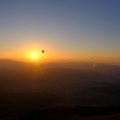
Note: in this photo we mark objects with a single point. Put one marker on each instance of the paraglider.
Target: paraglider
(92, 58)
(43, 53)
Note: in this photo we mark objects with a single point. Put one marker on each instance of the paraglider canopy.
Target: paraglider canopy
(42, 51)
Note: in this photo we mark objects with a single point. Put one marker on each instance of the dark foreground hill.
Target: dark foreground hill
(73, 112)
(26, 87)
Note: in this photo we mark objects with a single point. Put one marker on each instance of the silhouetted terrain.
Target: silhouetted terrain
(27, 87)
(70, 112)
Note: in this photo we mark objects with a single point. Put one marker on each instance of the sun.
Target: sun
(34, 55)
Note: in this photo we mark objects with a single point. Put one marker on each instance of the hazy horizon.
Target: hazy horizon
(57, 61)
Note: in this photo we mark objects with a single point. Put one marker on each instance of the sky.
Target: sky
(69, 30)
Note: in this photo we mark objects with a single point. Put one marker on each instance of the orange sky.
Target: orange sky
(67, 31)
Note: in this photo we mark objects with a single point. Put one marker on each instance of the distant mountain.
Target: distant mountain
(10, 64)
(22, 75)
(112, 70)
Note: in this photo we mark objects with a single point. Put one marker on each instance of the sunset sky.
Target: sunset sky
(71, 30)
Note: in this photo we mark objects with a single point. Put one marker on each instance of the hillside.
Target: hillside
(27, 87)
(73, 112)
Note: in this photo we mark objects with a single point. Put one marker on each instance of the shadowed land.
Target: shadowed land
(80, 90)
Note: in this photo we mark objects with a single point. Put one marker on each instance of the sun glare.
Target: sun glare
(34, 55)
